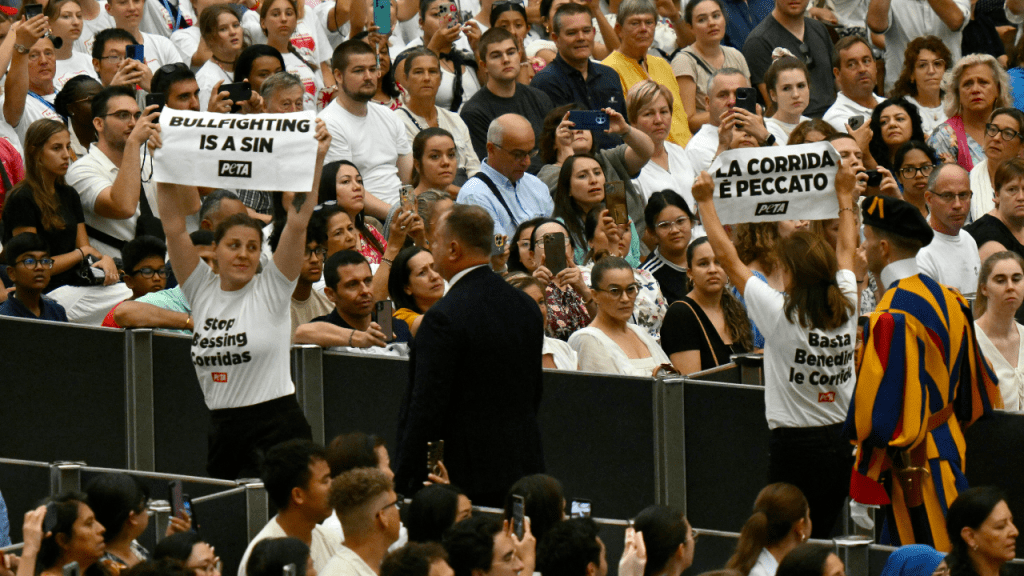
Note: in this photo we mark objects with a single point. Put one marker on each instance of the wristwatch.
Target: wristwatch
(20, 49)
(769, 141)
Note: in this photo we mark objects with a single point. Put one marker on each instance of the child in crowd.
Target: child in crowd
(28, 266)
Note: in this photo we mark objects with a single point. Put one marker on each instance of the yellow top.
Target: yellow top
(407, 315)
(630, 72)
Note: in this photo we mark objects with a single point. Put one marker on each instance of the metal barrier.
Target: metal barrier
(227, 531)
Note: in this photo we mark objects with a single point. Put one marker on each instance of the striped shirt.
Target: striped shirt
(671, 277)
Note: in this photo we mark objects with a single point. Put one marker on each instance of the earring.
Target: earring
(975, 547)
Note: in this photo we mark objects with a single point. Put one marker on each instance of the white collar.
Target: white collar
(459, 276)
(897, 271)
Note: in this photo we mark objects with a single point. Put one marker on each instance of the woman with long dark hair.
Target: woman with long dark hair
(435, 509)
(724, 326)
(669, 539)
(670, 221)
(894, 122)
(414, 285)
(819, 306)
(76, 537)
(912, 164)
(257, 63)
(45, 205)
(781, 521)
(342, 182)
(811, 560)
(981, 530)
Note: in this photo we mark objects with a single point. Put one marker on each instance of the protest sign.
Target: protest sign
(274, 152)
(776, 183)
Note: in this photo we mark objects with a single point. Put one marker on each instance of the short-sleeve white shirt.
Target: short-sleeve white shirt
(844, 108)
(34, 110)
(373, 143)
(186, 41)
(809, 374)
(207, 78)
(159, 51)
(323, 546)
(910, 19)
(78, 64)
(241, 340)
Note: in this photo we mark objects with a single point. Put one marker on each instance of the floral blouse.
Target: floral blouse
(566, 312)
(367, 249)
(650, 307)
(943, 140)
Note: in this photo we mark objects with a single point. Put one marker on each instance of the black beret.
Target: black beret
(898, 217)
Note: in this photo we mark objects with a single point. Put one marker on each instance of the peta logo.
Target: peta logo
(222, 378)
(769, 208)
(822, 396)
(237, 169)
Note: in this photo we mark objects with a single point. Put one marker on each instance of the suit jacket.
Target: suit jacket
(475, 382)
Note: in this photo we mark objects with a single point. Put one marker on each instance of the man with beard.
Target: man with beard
(371, 137)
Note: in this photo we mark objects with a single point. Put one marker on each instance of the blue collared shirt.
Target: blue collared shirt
(49, 309)
(600, 89)
(526, 199)
(742, 16)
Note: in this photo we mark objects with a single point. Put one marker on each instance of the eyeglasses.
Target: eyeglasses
(113, 58)
(909, 172)
(399, 499)
(938, 64)
(670, 224)
(520, 155)
(991, 130)
(32, 262)
(805, 51)
(124, 115)
(215, 567)
(148, 272)
(321, 253)
(948, 197)
(617, 291)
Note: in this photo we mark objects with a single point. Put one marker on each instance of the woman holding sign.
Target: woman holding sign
(242, 331)
(809, 348)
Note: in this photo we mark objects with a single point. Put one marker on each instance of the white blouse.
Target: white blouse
(599, 353)
(1011, 380)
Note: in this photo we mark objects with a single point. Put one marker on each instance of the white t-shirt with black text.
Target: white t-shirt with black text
(809, 375)
(241, 340)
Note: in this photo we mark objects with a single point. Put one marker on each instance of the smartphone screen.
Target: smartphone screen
(518, 516)
(382, 16)
(615, 201)
(554, 252)
(186, 505)
(588, 120)
(382, 315)
(135, 52)
(177, 501)
(156, 99)
(33, 10)
(579, 509)
(435, 454)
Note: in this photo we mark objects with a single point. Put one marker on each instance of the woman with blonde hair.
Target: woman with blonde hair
(781, 521)
(975, 87)
(1000, 291)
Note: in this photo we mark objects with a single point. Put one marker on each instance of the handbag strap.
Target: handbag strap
(702, 329)
(963, 150)
(494, 190)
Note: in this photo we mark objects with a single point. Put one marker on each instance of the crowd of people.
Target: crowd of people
(462, 215)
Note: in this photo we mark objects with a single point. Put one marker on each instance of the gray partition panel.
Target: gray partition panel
(23, 487)
(598, 435)
(726, 453)
(363, 393)
(181, 419)
(994, 446)
(73, 384)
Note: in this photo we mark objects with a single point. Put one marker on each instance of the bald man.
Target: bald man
(503, 187)
(951, 258)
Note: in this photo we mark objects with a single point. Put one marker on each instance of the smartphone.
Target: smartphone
(156, 99)
(239, 91)
(579, 508)
(288, 570)
(177, 498)
(435, 454)
(855, 122)
(518, 516)
(72, 569)
(406, 198)
(589, 120)
(50, 521)
(382, 16)
(874, 178)
(186, 506)
(498, 246)
(746, 98)
(33, 10)
(554, 252)
(615, 201)
(453, 14)
(135, 52)
(382, 315)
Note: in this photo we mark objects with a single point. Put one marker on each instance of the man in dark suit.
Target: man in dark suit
(475, 371)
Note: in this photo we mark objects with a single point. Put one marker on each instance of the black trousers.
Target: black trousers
(818, 461)
(238, 435)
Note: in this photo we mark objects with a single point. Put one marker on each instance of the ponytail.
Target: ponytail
(753, 537)
(777, 509)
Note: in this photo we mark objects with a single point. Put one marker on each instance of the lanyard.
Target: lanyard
(48, 105)
(174, 14)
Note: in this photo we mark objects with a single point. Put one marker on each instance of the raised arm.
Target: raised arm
(849, 185)
(26, 35)
(174, 201)
(288, 256)
(878, 16)
(703, 193)
(949, 13)
(639, 147)
(144, 315)
(120, 200)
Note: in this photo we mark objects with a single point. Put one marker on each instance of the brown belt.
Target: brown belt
(940, 417)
